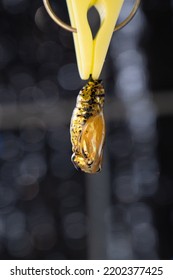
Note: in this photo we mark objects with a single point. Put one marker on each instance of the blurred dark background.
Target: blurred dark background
(48, 210)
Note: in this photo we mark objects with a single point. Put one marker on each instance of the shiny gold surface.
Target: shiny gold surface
(88, 128)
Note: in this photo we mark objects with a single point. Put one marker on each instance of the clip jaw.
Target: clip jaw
(91, 52)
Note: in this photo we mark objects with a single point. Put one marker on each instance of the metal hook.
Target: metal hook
(67, 27)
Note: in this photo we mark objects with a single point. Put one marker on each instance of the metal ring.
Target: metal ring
(130, 16)
(61, 23)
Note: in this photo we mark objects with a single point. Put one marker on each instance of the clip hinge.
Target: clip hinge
(91, 52)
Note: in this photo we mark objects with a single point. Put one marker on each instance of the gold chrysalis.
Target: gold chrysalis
(87, 128)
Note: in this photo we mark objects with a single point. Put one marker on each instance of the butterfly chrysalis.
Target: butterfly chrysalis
(88, 127)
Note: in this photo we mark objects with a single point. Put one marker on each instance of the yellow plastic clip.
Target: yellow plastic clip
(91, 52)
